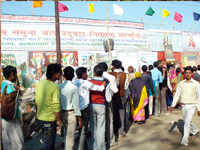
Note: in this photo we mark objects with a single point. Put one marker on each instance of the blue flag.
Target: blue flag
(196, 16)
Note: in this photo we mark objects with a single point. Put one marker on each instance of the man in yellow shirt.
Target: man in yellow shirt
(48, 105)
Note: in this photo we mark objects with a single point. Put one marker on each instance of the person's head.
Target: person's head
(194, 68)
(10, 73)
(104, 66)
(144, 68)
(198, 67)
(150, 67)
(68, 73)
(178, 70)
(81, 73)
(155, 64)
(98, 71)
(130, 69)
(188, 72)
(160, 63)
(138, 75)
(116, 64)
(54, 72)
(122, 68)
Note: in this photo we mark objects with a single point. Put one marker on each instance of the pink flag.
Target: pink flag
(62, 7)
(178, 17)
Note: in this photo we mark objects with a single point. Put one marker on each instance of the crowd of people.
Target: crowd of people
(99, 105)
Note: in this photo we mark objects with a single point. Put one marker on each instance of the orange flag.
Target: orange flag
(37, 4)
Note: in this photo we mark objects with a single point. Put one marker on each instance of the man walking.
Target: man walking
(110, 137)
(190, 98)
(47, 100)
(70, 108)
(149, 84)
(119, 99)
(157, 77)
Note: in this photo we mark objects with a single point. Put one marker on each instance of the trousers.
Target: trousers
(188, 111)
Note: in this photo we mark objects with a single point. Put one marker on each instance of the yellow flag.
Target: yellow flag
(91, 8)
(37, 4)
(165, 13)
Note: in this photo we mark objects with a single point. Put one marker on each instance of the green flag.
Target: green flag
(150, 12)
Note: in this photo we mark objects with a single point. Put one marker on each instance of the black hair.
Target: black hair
(160, 69)
(104, 66)
(80, 71)
(159, 62)
(178, 70)
(98, 70)
(8, 70)
(194, 68)
(116, 63)
(188, 68)
(150, 67)
(198, 67)
(155, 64)
(69, 73)
(144, 68)
(51, 69)
(122, 68)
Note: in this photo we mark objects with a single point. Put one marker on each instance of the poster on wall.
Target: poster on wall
(158, 39)
(13, 59)
(69, 58)
(190, 59)
(104, 57)
(169, 54)
(191, 42)
(147, 58)
(129, 59)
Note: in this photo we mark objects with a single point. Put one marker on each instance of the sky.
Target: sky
(133, 11)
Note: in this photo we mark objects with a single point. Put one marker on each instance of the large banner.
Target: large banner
(191, 42)
(41, 37)
(158, 39)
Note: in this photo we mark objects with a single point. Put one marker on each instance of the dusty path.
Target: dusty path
(153, 135)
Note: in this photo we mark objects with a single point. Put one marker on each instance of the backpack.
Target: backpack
(9, 104)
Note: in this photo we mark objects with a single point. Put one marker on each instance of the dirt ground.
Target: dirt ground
(155, 134)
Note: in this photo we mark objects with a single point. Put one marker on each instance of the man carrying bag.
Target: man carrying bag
(12, 134)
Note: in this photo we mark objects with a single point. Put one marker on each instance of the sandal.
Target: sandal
(196, 135)
(183, 146)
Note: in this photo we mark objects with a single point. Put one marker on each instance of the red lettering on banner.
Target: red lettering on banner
(24, 32)
(101, 34)
(11, 17)
(66, 20)
(3, 32)
(129, 35)
(3, 17)
(65, 33)
(45, 32)
(81, 21)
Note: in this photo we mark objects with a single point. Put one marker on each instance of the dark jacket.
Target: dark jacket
(148, 82)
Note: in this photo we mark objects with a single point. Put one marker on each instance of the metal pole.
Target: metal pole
(57, 36)
(89, 10)
(32, 10)
(162, 24)
(110, 54)
(173, 25)
(115, 17)
(195, 29)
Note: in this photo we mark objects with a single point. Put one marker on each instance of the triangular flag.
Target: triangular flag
(178, 17)
(150, 12)
(91, 8)
(118, 10)
(62, 7)
(196, 16)
(165, 13)
(37, 4)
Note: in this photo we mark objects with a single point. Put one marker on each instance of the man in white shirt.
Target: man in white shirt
(190, 98)
(70, 108)
(84, 94)
(110, 136)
